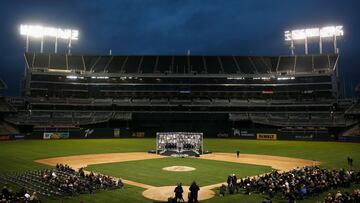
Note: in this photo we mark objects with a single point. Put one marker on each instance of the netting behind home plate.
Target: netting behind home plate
(179, 142)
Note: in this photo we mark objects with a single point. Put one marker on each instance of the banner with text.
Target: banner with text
(266, 136)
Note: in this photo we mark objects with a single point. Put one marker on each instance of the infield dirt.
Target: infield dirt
(163, 193)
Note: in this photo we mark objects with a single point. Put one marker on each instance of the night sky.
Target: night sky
(227, 27)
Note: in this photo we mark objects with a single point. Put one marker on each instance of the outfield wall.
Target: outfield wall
(234, 133)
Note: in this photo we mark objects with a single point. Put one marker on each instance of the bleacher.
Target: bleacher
(76, 90)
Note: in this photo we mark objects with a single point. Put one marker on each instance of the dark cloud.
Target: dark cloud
(172, 27)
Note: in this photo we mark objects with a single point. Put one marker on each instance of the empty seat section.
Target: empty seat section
(212, 64)
(286, 63)
(304, 64)
(58, 61)
(148, 64)
(180, 64)
(260, 66)
(197, 64)
(321, 62)
(268, 62)
(164, 64)
(101, 63)
(274, 62)
(41, 61)
(90, 61)
(82, 114)
(229, 64)
(116, 64)
(132, 64)
(62, 115)
(75, 62)
(245, 64)
(102, 115)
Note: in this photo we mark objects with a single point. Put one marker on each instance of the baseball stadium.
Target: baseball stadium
(91, 127)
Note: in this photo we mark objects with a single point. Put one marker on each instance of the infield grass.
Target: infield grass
(150, 171)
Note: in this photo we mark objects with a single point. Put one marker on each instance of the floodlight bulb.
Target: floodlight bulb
(38, 31)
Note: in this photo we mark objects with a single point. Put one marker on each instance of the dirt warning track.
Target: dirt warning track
(163, 193)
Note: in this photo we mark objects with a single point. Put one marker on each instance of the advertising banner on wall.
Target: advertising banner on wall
(4, 137)
(222, 135)
(266, 136)
(55, 135)
(243, 133)
(97, 132)
(138, 134)
(19, 136)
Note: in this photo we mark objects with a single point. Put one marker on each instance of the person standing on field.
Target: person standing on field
(179, 193)
(194, 189)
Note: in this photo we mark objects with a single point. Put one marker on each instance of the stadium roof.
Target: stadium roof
(152, 64)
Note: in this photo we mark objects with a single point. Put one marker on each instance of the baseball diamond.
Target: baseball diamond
(192, 101)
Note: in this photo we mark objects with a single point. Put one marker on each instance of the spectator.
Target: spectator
(120, 184)
(298, 183)
(354, 196)
(27, 196)
(5, 192)
(194, 189)
(34, 198)
(179, 193)
(222, 190)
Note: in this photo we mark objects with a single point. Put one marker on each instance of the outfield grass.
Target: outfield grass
(19, 156)
(150, 171)
(331, 154)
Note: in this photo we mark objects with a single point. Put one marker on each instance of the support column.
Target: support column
(335, 45)
(292, 47)
(56, 45)
(42, 45)
(27, 43)
(69, 47)
(306, 46)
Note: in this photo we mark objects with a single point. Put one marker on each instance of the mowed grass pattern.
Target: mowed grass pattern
(150, 171)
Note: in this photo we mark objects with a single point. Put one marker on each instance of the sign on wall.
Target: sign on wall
(266, 136)
(55, 135)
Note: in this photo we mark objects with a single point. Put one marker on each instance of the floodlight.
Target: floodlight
(320, 33)
(39, 31)
(324, 32)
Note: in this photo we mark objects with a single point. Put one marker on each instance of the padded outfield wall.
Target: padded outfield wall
(234, 133)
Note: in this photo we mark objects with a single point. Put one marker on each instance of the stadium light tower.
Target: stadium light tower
(39, 31)
(310, 33)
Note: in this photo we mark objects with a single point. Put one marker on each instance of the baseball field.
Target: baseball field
(144, 173)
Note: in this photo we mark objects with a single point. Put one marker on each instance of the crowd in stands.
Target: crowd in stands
(292, 185)
(345, 197)
(8, 195)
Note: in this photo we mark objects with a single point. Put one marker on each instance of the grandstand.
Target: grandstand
(210, 94)
(5, 108)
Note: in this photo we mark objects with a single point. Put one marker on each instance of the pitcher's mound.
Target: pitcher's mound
(163, 193)
(179, 168)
